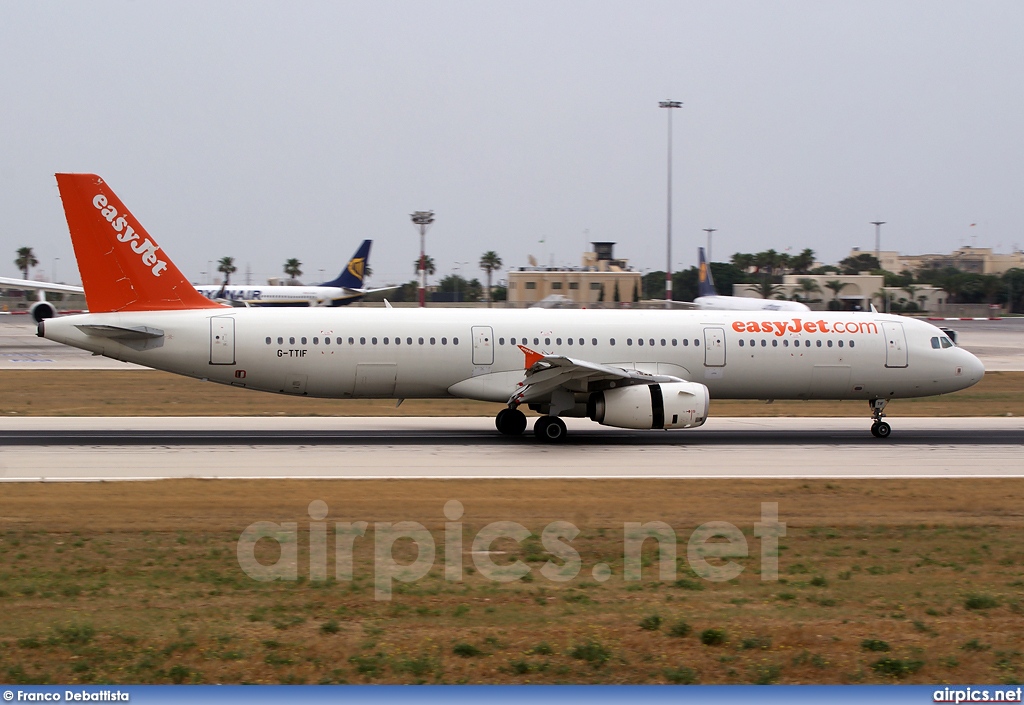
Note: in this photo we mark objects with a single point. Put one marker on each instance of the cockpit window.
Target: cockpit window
(935, 342)
(946, 342)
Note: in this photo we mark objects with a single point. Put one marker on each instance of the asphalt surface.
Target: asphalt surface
(33, 449)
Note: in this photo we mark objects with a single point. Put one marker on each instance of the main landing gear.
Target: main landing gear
(512, 422)
(549, 429)
(879, 429)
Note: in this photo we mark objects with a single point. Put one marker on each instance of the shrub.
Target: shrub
(819, 581)
(756, 642)
(541, 649)
(874, 645)
(330, 627)
(179, 674)
(465, 650)
(975, 645)
(651, 623)
(680, 629)
(712, 637)
(592, 652)
(767, 674)
(896, 668)
(689, 584)
(680, 676)
(980, 602)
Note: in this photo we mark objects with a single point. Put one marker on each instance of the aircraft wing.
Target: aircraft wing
(547, 373)
(40, 286)
(374, 291)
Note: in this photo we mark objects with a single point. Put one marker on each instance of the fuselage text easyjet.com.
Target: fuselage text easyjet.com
(780, 328)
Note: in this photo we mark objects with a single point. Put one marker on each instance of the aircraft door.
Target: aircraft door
(895, 344)
(714, 347)
(483, 345)
(222, 340)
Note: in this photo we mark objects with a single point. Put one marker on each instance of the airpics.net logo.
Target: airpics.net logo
(146, 249)
(710, 549)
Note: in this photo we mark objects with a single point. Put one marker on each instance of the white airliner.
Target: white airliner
(709, 300)
(621, 368)
(42, 308)
(346, 288)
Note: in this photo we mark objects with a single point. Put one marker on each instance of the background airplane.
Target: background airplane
(344, 289)
(709, 300)
(626, 369)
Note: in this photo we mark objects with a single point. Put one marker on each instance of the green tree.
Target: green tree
(835, 286)
(766, 288)
(806, 288)
(490, 262)
(803, 262)
(740, 260)
(226, 265)
(26, 260)
(293, 268)
(427, 264)
(855, 264)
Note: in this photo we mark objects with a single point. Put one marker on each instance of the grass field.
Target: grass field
(152, 393)
(894, 581)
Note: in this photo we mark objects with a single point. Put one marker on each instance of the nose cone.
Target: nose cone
(973, 369)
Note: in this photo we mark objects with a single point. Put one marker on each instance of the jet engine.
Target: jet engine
(667, 405)
(41, 310)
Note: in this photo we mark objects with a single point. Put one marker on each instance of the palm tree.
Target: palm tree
(806, 287)
(489, 262)
(227, 266)
(428, 264)
(742, 261)
(293, 268)
(912, 290)
(766, 289)
(26, 259)
(803, 262)
(835, 286)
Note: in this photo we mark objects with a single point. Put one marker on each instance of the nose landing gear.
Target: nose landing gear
(879, 429)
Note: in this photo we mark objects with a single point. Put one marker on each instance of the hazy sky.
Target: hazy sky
(271, 130)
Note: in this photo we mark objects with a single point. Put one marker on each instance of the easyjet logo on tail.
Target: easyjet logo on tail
(780, 328)
(126, 233)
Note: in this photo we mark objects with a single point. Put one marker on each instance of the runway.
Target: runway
(105, 449)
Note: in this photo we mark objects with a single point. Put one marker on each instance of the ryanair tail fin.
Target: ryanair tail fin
(122, 267)
(705, 284)
(352, 276)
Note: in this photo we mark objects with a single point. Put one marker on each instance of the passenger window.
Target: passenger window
(775, 343)
(444, 341)
(696, 343)
(303, 340)
(558, 341)
(268, 341)
(629, 341)
(764, 343)
(851, 343)
(674, 342)
(785, 343)
(830, 343)
(611, 341)
(593, 341)
(662, 342)
(421, 341)
(819, 343)
(639, 341)
(582, 341)
(686, 342)
(536, 341)
(280, 341)
(741, 342)
(547, 341)
(408, 341)
(840, 343)
(362, 341)
(569, 340)
(316, 341)
(753, 342)
(455, 341)
(433, 341)
(398, 341)
(385, 341)
(651, 341)
(291, 341)
(327, 341)
(501, 341)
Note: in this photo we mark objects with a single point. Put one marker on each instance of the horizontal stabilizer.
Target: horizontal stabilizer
(120, 332)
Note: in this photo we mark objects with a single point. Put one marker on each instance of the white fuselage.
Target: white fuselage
(746, 303)
(409, 353)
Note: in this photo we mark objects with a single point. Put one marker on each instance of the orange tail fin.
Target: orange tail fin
(122, 267)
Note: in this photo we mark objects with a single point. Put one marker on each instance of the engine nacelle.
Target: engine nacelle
(41, 310)
(668, 405)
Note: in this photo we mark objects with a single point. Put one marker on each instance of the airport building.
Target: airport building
(600, 280)
(975, 260)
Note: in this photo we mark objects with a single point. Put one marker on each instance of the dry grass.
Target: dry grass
(138, 582)
(152, 393)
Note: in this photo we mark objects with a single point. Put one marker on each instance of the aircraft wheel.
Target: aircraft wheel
(511, 422)
(881, 430)
(550, 429)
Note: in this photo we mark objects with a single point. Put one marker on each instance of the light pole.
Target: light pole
(423, 219)
(709, 231)
(668, 260)
(878, 240)
(458, 268)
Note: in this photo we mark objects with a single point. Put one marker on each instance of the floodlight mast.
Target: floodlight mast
(668, 255)
(423, 219)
